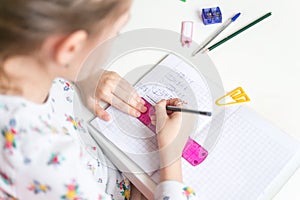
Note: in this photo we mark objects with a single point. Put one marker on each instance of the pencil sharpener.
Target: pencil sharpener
(145, 117)
(193, 152)
(211, 15)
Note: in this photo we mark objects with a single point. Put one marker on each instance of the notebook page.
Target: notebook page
(246, 160)
(248, 157)
(169, 79)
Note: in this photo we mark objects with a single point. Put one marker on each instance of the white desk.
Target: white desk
(263, 60)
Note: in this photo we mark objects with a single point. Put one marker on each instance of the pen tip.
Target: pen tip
(206, 51)
(235, 17)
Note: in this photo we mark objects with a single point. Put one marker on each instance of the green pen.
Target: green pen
(238, 32)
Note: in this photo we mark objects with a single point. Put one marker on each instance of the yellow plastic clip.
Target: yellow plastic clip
(237, 95)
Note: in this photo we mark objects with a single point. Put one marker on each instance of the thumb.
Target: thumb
(160, 110)
(93, 105)
(161, 115)
(100, 112)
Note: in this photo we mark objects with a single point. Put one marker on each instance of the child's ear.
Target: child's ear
(68, 47)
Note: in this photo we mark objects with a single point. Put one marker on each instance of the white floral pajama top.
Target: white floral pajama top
(47, 153)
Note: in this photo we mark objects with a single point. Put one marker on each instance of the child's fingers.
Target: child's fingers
(128, 94)
(93, 106)
(122, 89)
(174, 102)
(161, 115)
(116, 91)
(160, 109)
(100, 112)
(153, 119)
(123, 106)
(170, 102)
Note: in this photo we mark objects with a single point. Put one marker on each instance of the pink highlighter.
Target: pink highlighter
(193, 152)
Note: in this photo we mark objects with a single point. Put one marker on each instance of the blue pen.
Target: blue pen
(225, 25)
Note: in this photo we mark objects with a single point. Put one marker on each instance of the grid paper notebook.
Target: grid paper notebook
(246, 162)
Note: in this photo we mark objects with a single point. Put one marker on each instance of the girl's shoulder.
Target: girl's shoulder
(62, 85)
(23, 122)
(15, 111)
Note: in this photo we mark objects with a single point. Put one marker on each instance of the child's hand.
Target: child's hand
(167, 123)
(114, 90)
(170, 140)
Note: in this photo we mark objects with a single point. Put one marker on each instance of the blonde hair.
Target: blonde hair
(25, 24)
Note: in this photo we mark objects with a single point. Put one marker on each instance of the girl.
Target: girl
(45, 151)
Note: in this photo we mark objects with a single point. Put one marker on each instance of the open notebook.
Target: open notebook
(249, 160)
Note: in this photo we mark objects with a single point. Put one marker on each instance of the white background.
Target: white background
(264, 60)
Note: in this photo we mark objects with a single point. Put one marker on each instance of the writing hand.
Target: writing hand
(170, 144)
